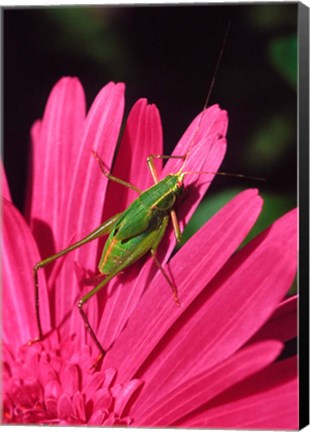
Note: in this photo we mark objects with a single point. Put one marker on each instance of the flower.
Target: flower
(212, 362)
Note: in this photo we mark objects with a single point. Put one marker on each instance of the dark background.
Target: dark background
(167, 54)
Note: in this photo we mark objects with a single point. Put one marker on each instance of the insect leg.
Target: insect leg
(113, 178)
(151, 166)
(103, 229)
(171, 284)
(176, 226)
(154, 247)
(82, 302)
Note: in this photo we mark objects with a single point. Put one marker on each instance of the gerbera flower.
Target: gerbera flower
(212, 362)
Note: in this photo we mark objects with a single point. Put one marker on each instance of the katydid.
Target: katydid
(131, 234)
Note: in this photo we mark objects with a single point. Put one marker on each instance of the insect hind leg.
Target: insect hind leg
(164, 273)
(153, 250)
(88, 327)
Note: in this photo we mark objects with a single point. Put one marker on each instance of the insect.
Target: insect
(131, 234)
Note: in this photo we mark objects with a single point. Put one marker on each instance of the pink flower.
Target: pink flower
(214, 361)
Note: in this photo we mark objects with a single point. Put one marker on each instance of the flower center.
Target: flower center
(52, 383)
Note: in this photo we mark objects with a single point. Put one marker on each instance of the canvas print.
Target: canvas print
(150, 216)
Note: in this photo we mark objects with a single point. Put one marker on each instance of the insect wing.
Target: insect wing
(119, 254)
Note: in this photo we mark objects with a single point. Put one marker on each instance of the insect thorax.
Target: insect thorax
(162, 195)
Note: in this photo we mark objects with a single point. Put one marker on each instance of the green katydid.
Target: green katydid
(131, 234)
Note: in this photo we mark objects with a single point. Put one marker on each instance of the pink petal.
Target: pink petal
(35, 146)
(211, 121)
(52, 390)
(69, 377)
(125, 394)
(267, 400)
(156, 312)
(94, 383)
(97, 418)
(58, 140)
(110, 375)
(79, 406)
(201, 388)
(46, 371)
(142, 137)
(54, 152)
(51, 406)
(102, 399)
(101, 131)
(20, 254)
(5, 192)
(65, 407)
(205, 139)
(282, 325)
(85, 201)
(232, 308)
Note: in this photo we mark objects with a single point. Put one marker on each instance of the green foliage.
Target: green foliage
(87, 32)
(270, 16)
(271, 141)
(283, 56)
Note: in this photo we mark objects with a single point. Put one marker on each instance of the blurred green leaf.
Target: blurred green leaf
(293, 289)
(87, 32)
(270, 16)
(283, 56)
(271, 140)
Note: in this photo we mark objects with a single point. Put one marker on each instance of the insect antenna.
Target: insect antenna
(219, 59)
(218, 62)
(226, 174)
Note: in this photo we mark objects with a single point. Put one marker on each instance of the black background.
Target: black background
(165, 53)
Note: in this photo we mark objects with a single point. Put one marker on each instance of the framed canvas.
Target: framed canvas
(155, 230)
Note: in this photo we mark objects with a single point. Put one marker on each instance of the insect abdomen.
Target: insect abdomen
(118, 254)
